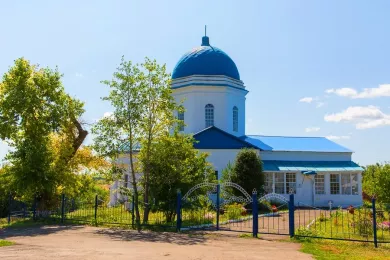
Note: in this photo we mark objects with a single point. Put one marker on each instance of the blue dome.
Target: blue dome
(205, 60)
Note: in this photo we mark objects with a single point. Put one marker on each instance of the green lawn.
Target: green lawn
(344, 225)
(323, 249)
(5, 243)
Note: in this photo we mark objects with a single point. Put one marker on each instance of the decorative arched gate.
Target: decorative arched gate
(227, 206)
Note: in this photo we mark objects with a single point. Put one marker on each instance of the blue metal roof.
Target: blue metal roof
(286, 143)
(205, 60)
(215, 138)
(311, 166)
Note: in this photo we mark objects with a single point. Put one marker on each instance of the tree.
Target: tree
(376, 181)
(143, 110)
(248, 171)
(174, 165)
(158, 118)
(33, 107)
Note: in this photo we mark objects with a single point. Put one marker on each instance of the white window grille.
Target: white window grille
(335, 184)
(209, 115)
(319, 184)
(235, 119)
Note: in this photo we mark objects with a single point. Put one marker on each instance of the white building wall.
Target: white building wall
(304, 156)
(220, 158)
(195, 98)
(305, 193)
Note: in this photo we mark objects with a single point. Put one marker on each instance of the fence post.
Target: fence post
(255, 214)
(132, 211)
(374, 222)
(218, 203)
(9, 207)
(291, 220)
(62, 208)
(35, 209)
(96, 208)
(178, 211)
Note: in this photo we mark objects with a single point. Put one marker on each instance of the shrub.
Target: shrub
(234, 211)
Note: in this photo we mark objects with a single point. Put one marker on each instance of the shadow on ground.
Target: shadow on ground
(34, 231)
(150, 236)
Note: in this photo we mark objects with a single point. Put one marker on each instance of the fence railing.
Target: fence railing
(368, 223)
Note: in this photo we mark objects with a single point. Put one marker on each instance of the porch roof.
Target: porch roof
(317, 166)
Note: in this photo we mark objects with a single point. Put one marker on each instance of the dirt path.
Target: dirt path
(79, 242)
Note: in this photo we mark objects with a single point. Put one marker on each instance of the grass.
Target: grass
(344, 225)
(246, 235)
(5, 243)
(323, 249)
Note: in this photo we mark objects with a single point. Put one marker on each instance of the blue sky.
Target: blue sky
(313, 68)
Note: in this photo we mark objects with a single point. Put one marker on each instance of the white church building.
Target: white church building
(316, 169)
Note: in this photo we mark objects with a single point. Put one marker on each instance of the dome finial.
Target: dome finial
(205, 39)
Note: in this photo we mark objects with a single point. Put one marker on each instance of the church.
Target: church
(318, 171)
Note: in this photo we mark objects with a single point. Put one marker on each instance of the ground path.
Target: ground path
(80, 242)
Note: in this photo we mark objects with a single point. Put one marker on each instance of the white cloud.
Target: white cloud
(338, 137)
(79, 75)
(344, 92)
(355, 113)
(362, 117)
(107, 114)
(306, 99)
(312, 129)
(381, 91)
(373, 123)
(320, 104)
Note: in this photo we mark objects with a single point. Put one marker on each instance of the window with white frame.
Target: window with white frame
(319, 181)
(346, 187)
(344, 183)
(335, 184)
(354, 182)
(180, 116)
(291, 182)
(268, 181)
(235, 119)
(209, 115)
(349, 184)
(279, 182)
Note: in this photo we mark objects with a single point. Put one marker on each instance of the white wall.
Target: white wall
(304, 156)
(220, 158)
(305, 193)
(223, 99)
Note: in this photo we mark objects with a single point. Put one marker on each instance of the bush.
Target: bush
(234, 211)
(248, 171)
(305, 234)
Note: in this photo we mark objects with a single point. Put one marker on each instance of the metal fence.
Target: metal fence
(370, 223)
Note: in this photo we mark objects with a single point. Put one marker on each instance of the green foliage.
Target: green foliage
(35, 113)
(175, 165)
(5, 243)
(248, 171)
(143, 112)
(305, 234)
(234, 211)
(376, 182)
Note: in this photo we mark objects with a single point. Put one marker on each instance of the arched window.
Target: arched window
(209, 115)
(180, 116)
(235, 119)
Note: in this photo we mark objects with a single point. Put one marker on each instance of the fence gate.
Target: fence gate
(274, 214)
(216, 206)
(227, 206)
